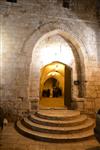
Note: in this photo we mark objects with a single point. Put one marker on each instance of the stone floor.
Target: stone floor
(11, 140)
(52, 101)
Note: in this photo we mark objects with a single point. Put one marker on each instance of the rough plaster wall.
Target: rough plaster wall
(18, 22)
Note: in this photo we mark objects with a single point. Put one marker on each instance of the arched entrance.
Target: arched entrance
(55, 85)
(79, 65)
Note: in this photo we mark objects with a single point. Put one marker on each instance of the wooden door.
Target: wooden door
(67, 87)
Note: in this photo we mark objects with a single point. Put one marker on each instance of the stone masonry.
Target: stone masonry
(23, 23)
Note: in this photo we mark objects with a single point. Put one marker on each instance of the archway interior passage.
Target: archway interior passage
(55, 85)
(50, 49)
(52, 85)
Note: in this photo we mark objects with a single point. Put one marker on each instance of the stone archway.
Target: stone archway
(77, 48)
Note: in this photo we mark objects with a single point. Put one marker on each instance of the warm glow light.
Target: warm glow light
(52, 73)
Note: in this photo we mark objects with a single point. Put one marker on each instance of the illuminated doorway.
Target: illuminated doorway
(56, 46)
(53, 86)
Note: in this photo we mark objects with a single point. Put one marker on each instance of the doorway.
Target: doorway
(55, 85)
(59, 46)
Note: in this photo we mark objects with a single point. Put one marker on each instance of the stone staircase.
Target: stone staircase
(56, 126)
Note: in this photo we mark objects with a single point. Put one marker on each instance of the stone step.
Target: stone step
(53, 137)
(58, 123)
(46, 125)
(57, 130)
(58, 115)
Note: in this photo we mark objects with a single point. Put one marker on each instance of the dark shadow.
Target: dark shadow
(98, 29)
(84, 9)
(98, 11)
(74, 105)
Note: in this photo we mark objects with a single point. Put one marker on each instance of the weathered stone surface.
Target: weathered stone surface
(22, 24)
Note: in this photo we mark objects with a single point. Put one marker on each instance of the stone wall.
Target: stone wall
(27, 21)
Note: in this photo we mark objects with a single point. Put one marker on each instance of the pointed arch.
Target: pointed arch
(78, 49)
